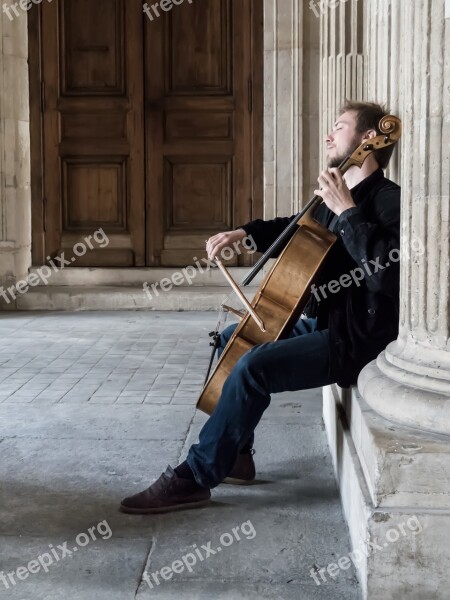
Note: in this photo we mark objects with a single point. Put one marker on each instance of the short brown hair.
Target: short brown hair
(368, 116)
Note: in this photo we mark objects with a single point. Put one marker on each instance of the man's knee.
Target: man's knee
(254, 365)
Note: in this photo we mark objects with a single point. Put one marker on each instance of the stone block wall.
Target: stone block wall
(15, 195)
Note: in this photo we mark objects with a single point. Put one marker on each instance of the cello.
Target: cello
(282, 296)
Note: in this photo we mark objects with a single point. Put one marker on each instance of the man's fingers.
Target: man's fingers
(217, 247)
(322, 179)
(330, 178)
(214, 248)
(336, 175)
(225, 239)
(211, 245)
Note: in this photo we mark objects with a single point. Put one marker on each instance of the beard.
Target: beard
(336, 162)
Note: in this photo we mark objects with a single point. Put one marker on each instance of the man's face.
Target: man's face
(343, 140)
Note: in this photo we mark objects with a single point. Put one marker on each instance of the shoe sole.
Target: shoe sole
(163, 509)
(233, 481)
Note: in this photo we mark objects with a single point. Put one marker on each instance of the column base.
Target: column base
(410, 385)
(393, 482)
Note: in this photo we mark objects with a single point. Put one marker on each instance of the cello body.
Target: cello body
(279, 301)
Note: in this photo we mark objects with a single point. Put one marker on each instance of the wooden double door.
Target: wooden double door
(149, 129)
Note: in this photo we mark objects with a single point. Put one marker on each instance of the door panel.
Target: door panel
(148, 127)
(92, 49)
(93, 128)
(199, 127)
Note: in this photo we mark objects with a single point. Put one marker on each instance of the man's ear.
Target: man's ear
(370, 134)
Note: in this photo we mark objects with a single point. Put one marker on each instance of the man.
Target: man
(353, 314)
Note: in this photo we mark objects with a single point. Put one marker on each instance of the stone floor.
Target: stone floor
(93, 406)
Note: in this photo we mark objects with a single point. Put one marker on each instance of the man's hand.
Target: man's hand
(334, 191)
(223, 240)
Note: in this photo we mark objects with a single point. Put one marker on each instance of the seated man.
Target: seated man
(353, 314)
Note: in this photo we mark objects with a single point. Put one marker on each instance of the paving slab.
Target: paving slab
(103, 570)
(247, 591)
(96, 422)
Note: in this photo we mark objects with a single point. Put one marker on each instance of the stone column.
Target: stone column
(410, 382)
(291, 109)
(343, 64)
(389, 441)
(15, 195)
(382, 40)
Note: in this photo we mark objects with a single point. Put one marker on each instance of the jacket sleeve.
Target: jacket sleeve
(374, 244)
(264, 233)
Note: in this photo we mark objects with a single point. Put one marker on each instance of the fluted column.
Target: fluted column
(291, 109)
(382, 36)
(410, 381)
(343, 61)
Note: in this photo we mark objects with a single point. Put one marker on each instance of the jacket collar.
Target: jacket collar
(367, 185)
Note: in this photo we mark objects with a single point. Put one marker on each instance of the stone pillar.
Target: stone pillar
(390, 440)
(410, 381)
(15, 195)
(382, 40)
(343, 60)
(291, 73)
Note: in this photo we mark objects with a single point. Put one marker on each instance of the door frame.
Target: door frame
(36, 137)
(38, 208)
(257, 117)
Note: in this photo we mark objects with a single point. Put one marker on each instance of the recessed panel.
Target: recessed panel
(91, 52)
(198, 195)
(94, 195)
(102, 125)
(198, 46)
(191, 125)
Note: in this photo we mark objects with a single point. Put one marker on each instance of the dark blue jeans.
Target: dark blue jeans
(299, 362)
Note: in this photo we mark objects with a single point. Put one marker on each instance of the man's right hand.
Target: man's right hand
(223, 240)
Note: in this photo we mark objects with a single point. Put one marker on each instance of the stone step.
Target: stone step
(102, 297)
(96, 276)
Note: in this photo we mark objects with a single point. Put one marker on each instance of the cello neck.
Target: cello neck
(286, 235)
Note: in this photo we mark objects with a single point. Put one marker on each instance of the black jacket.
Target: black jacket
(363, 316)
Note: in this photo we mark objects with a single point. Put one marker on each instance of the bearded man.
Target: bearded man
(344, 327)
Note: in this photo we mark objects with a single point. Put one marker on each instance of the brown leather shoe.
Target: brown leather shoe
(168, 493)
(244, 471)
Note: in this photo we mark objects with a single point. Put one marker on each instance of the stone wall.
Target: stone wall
(15, 196)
